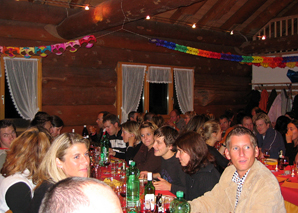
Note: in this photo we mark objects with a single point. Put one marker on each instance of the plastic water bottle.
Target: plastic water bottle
(179, 205)
(132, 191)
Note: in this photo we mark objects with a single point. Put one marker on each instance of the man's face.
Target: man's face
(135, 117)
(224, 124)
(242, 153)
(99, 120)
(111, 129)
(247, 123)
(174, 117)
(160, 147)
(7, 135)
(262, 127)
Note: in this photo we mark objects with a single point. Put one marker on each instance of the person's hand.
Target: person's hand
(162, 185)
(131, 140)
(92, 130)
(143, 175)
(289, 136)
(112, 152)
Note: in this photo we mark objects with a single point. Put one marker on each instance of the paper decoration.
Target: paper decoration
(282, 62)
(58, 49)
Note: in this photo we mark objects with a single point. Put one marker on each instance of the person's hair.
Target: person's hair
(291, 114)
(170, 135)
(148, 116)
(141, 117)
(105, 113)
(158, 120)
(48, 169)
(190, 114)
(239, 131)
(40, 119)
(68, 195)
(239, 117)
(245, 117)
(195, 123)
(131, 115)
(7, 123)
(282, 124)
(230, 114)
(260, 116)
(26, 152)
(295, 122)
(176, 111)
(112, 118)
(208, 128)
(57, 121)
(132, 127)
(224, 116)
(148, 124)
(194, 145)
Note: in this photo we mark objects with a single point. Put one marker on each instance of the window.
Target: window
(20, 87)
(150, 88)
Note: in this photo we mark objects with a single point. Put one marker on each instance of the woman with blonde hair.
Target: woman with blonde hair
(20, 169)
(211, 133)
(68, 156)
(189, 115)
(130, 135)
(145, 158)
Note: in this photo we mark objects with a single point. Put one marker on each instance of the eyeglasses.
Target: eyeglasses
(12, 134)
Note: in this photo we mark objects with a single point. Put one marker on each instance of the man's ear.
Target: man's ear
(116, 124)
(257, 151)
(227, 153)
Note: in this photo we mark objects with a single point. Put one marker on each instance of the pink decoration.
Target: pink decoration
(72, 44)
(57, 47)
(87, 39)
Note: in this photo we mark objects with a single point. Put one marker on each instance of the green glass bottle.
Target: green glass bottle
(132, 191)
(149, 193)
(179, 205)
(104, 154)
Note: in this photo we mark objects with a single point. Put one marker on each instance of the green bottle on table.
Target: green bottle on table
(149, 193)
(132, 191)
(104, 151)
(179, 205)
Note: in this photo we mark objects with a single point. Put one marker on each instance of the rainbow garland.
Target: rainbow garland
(282, 62)
(57, 49)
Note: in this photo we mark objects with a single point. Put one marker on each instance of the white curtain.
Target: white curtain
(21, 77)
(159, 75)
(184, 88)
(132, 84)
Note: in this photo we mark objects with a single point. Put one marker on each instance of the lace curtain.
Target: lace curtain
(159, 75)
(132, 84)
(21, 77)
(184, 88)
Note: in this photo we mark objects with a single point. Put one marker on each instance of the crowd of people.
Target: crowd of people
(209, 160)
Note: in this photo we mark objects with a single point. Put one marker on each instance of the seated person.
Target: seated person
(246, 122)
(224, 124)
(175, 121)
(68, 156)
(211, 133)
(132, 116)
(57, 124)
(7, 135)
(292, 142)
(171, 177)
(131, 136)
(43, 119)
(267, 137)
(145, 158)
(197, 162)
(112, 126)
(96, 133)
(20, 169)
(78, 194)
(245, 186)
(189, 115)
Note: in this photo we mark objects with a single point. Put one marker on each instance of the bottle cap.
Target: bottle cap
(129, 162)
(149, 176)
(179, 194)
(85, 126)
(133, 163)
(73, 130)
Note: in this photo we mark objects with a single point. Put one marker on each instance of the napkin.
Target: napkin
(280, 179)
(290, 185)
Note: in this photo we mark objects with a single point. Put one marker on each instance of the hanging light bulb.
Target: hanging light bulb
(148, 17)
(87, 7)
(263, 37)
(194, 26)
(232, 32)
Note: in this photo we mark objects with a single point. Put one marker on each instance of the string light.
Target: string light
(263, 37)
(232, 32)
(194, 26)
(87, 7)
(148, 17)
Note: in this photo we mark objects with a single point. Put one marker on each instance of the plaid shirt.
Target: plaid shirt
(239, 181)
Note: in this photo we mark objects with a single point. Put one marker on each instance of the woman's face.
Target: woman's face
(147, 137)
(76, 162)
(293, 129)
(186, 119)
(125, 135)
(184, 158)
(56, 131)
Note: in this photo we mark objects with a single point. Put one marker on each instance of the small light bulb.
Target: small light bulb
(147, 17)
(263, 37)
(87, 7)
(232, 32)
(194, 26)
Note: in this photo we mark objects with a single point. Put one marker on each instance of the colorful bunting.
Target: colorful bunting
(282, 62)
(58, 49)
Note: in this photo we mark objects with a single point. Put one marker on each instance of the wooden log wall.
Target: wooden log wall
(76, 86)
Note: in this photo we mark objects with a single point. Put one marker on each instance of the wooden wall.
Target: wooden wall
(76, 86)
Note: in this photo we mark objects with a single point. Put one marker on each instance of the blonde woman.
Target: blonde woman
(189, 115)
(211, 133)
(68, 156)
(20, 170)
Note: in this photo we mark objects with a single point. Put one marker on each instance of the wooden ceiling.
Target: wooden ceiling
(67, 19)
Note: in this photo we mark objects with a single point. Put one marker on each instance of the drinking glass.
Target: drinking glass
(167, 202)
(285, 161)
(266, 155)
